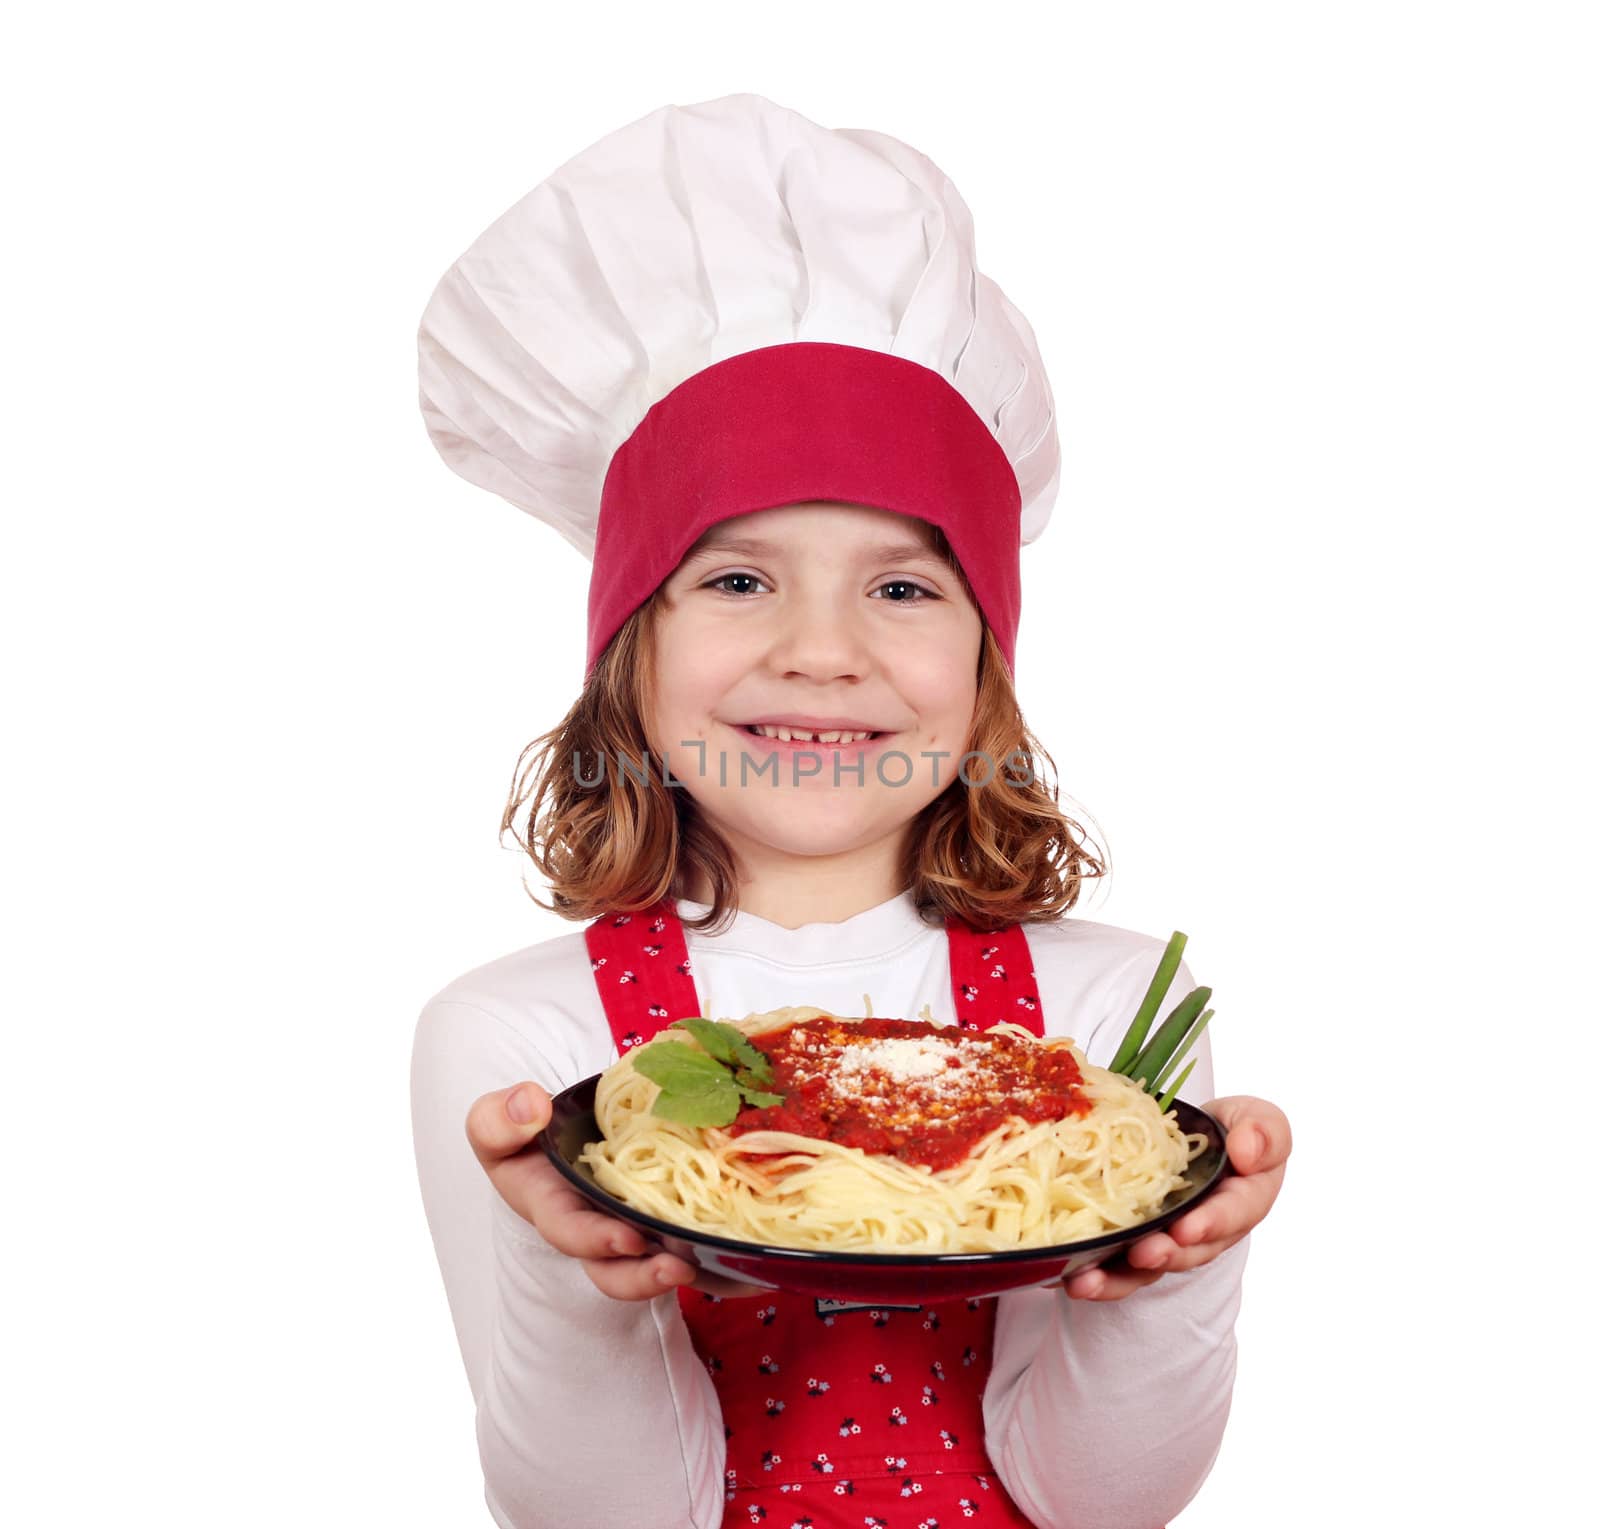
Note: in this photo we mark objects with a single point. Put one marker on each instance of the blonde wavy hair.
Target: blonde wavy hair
(997, 852)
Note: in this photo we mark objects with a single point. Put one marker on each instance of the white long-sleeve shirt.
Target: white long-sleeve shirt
(1096, 1413)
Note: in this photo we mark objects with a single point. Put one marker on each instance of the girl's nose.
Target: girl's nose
(820, 639)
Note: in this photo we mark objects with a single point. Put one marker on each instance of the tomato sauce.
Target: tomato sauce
(923, 1093)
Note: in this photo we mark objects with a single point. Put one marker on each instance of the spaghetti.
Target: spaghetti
(898, 1136)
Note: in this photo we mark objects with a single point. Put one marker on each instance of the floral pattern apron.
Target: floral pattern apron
(836, 1414)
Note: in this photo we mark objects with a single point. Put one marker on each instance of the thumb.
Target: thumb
(1259, 1136)
(502, 1123)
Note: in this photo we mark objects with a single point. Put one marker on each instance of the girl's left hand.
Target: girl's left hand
(1258, 1146)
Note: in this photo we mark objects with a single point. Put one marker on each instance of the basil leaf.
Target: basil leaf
(716, 1105)
(758, 1100)
(727, 1044)
(755, 1062)
(760, 1068)
(697, 1087)
(712, 1035)
(676, 1067)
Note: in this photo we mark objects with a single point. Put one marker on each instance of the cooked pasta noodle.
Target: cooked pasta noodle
(1022, 1184)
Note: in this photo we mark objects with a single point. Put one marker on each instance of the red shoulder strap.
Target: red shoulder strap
(641, 967)
(992, 977)
(640, 963)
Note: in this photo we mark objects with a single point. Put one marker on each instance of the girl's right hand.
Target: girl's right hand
(501, 1127)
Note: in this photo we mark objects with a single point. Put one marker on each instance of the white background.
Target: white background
(1307, 637)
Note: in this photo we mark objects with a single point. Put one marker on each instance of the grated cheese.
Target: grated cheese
(924, 1066)
(901, 1060)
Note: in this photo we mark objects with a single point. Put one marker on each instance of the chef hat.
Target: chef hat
(726, 307)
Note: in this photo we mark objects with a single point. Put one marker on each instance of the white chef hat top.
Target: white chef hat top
(738, 228)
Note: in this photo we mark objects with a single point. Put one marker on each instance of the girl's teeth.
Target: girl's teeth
(798, 735)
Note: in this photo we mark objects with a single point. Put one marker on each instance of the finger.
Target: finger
(1236, 1205)
(1259, 1137)
(1152, 1252)
(638, 1279)
(502, 1123)
(727, 1289)
(1112, 1284)
(530, 1185)
(568, 1222)
(642, 1279)
(1201, 1253)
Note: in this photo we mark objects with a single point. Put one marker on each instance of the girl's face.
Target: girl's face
(833, 615)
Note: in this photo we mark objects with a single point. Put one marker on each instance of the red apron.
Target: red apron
(836, 1415)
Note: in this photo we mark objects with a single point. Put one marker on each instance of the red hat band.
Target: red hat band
(805, 420)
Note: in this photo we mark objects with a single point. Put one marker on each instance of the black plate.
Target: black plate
(919, 1278)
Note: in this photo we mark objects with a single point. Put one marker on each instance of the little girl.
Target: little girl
(748, 365)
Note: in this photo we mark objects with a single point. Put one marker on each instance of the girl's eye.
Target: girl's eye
(722, 579)
(923, 593)
(914, 593)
